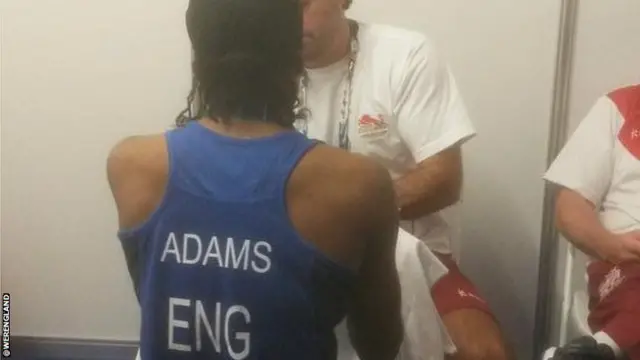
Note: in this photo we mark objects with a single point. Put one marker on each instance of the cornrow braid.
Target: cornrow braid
(194, 109)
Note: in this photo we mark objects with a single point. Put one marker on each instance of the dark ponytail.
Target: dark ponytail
(247, 60)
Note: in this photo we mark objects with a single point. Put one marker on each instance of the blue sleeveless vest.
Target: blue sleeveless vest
(219, 271)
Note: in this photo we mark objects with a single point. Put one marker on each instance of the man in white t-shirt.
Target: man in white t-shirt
(598, 210)
(384, 92)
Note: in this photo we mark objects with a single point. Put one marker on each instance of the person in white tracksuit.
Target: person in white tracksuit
(384, 92)
(597, 175)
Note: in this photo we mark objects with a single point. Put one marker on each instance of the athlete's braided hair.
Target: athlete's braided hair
(247, 59)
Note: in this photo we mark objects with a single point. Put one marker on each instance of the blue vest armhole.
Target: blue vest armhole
(132, 239)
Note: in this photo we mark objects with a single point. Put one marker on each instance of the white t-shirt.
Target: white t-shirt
(405, 108)
(601, 160)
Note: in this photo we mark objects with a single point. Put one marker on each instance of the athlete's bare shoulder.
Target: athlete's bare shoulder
(345, 204)
(346, 175)
(138, 150)
(137, 169)
(337, 199)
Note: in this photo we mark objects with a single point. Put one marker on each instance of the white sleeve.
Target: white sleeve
(585, 164)
(429, 109)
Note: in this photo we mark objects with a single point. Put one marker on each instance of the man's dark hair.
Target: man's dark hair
(347, 4)
(247, 59)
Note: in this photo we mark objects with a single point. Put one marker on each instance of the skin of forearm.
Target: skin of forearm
(432, 186)
(578, 221)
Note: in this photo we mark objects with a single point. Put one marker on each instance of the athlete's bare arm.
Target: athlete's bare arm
(375, 320)
(345, 204)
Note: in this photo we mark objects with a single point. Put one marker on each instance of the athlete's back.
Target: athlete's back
(231, 258)
(244, 239)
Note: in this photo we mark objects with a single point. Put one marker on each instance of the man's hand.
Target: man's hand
(624, 247)
(579, 221)
(433, 185)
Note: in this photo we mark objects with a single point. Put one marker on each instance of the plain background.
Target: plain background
(77, 75)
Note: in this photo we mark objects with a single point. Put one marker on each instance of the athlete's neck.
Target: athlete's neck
(335, 51)
(243, 129)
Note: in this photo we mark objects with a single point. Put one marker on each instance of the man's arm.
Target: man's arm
(433, 123)
(433, 185)
(577, 219)
(375, 319)
(583, 172)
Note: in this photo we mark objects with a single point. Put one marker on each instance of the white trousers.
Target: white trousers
(425, 337)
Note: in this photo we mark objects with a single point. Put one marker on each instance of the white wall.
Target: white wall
(79, 74)
(607, 53)
(607, 56)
